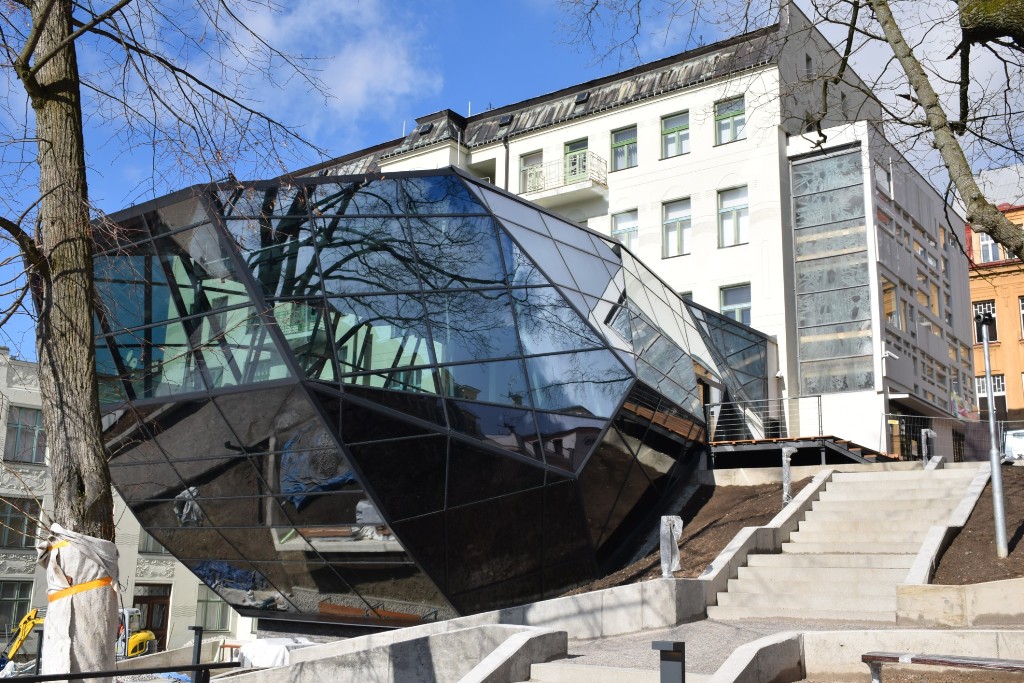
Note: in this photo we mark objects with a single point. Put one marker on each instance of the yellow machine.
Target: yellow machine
(132, 639)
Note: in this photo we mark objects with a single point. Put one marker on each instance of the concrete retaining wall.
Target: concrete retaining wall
(772, 659)
(997, 603)
(485, 654)
(833, 654)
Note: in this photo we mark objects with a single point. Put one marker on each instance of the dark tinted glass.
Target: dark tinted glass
(439, 194)
(407, 475)
(501, 426)
(457, 252)
(472, 325)
(495, 382)
(592, 382)
(359, 197)
(475, 474)
(366, 255)
(548, 324)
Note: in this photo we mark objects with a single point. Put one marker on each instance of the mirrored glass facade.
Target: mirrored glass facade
(389, 400)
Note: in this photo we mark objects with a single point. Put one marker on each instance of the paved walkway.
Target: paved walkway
(708, 642)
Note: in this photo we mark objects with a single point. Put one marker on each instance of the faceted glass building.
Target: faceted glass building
(390, 399)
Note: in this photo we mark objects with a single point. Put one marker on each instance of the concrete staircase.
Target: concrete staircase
(567, 672)
(852, 548)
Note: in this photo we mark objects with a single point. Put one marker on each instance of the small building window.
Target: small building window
(730, 121)
(735, 303)
(675, 135)
(732, 217)
(18, 518)
(624, 228)
(531, 172)
(212, 612)
(148, 544)
(998, 386)
(624, 148)
(981, 308)
(26, 437)
(675, 237)
(15, 598)
(989, 248)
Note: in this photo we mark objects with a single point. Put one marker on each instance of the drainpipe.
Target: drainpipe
(504, 141)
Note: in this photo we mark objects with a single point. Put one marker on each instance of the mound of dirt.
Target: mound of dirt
(711, 518)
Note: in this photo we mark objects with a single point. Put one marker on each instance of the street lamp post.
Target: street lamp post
(983, 321)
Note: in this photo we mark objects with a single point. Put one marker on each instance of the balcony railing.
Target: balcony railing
(777, 418)
(575, 167)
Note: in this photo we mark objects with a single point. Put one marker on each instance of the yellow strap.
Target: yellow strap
(80, 588)
(59, 544)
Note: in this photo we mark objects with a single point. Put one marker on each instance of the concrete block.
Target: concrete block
(579, 615)
(511, 661)
(660, 604)
(622, 610)
(995, 603)
(567, 672)
(970, 498)
(930, 606)
(773, 658)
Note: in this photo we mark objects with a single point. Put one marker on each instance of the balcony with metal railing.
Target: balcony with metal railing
(577, 176)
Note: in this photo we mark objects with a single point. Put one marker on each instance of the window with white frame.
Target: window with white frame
(18, 519)
(981, 308)
(624, 228)
(531, 172)
(675, 237)
(735, 303)
(624, 148)
(732, 217)
(148, 544)
(15, 598)
(730, 121)
(26, 437)
(675, 135)
(212, 613)
(989, 248)
(998, 386)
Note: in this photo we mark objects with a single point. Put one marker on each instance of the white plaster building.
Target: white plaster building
(169, 595)
(700, 165)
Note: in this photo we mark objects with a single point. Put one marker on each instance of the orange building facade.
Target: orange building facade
(997, 287)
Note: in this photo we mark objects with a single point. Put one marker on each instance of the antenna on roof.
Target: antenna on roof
(469, 108)
(403, 129)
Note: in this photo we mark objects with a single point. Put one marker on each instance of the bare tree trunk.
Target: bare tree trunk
(64, 290)
(981, 213)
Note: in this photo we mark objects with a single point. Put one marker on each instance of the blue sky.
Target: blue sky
(384, 63)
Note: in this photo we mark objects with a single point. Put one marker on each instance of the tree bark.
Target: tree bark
(981, 213)
(63, 286)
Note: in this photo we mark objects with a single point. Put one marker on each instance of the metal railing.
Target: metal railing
(777, 418)
(912, 437)
(575, 167)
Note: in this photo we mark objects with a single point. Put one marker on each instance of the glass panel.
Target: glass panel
(828, 207)
(284, 262)
(837, 272)
(592, 382)
(831, 341)
(132, 290)
(567, 439)
(834, 307)
(370, 196)
(837, 375)
(472, 325)
(498, 382)
(522, 271)
(191, 545)
(832, 239)
(826, 174)
(547, 323)
(366, 255)
(515, 211)
(568, 233)
(501, 426)
(540, 252)
(588, 271)
(304, 326)
(475, 475)
(439, 194)
(405, 486)
(237, 348)
(457, 252)
(427, 408)
(382, 333)
(155, 361)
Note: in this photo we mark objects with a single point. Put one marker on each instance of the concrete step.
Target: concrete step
(853, 548)
(897, 486)
(820, 524)
(852, 519)
(866, 561)
(825, 577)
(954, 474)
(731, 613)
(830, 494)
(828, 582)
(846, 537)
(808, 601)
(564, 671)
(881, 506)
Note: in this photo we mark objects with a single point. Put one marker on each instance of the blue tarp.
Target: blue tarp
(219, 572)
(300, 476)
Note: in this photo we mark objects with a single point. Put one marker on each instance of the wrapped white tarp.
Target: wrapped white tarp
(81, 617)
(671, 532)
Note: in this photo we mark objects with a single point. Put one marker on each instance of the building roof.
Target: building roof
(711, 62)
(1003, 185)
